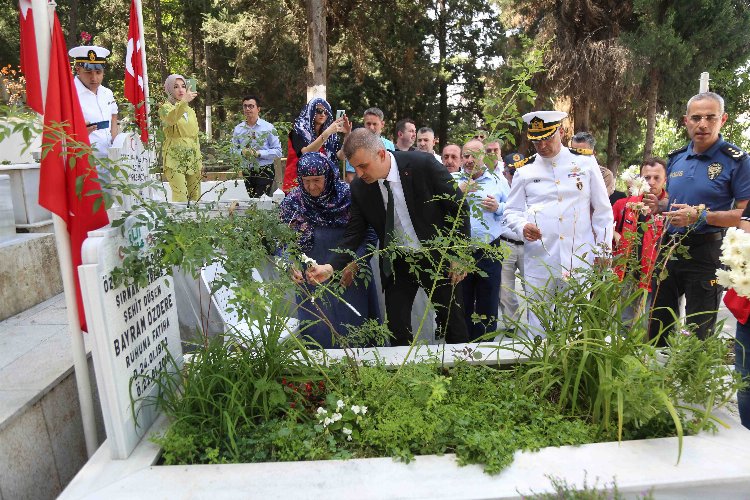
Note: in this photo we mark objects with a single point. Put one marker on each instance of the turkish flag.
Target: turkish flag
(134, 73)
(67, 177)
(29, 58)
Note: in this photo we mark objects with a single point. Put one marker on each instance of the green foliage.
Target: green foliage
(562, 490)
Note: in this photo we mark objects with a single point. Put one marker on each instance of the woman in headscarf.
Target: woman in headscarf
(319, 210)
(314, 130)
(181, 154)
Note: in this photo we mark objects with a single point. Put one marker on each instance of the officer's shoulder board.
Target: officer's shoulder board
(582, 151)
(521, 163)
(677, 151)
(733, 151)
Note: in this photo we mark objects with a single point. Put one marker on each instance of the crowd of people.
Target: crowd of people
(349, 189)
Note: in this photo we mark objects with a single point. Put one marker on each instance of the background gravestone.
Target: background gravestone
(127, 149)
(132, 329)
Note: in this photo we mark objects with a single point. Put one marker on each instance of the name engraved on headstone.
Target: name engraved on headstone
(134, 330)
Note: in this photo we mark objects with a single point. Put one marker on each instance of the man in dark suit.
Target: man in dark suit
(424, 200)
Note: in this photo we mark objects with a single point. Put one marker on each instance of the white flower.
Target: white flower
(724, 278)
(630, 174)
(348, 438)
(339, 404)
(322, 411)
(346, 431)
(336, 417)
(355, 409)
(684, 331)
(308, 260)
(608, 339)
(535, 209)
(327, 422)
(364, 410)
(639, 186)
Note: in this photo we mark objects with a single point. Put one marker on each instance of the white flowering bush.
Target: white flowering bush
(735, 254)
(341, 420)
(636, 184)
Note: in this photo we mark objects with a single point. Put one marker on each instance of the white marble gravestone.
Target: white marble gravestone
(132, 329)
(7, 220)
(128, 150)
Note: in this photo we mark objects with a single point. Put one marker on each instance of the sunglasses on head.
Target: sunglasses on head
(320, 111)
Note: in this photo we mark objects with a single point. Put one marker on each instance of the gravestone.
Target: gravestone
(132, 328)
(128, 150)
(7, 220)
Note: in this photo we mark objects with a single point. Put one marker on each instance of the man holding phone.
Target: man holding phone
(97, 101)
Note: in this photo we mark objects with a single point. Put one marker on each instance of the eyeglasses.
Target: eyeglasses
(700, 118)
(320, 111)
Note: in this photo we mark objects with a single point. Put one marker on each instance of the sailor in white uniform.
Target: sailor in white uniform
(558, 204)
(97, 101)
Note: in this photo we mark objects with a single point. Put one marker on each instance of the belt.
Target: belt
(693, 240)
(509, 240)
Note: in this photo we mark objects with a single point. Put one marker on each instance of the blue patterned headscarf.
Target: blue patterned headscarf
(304, 126)
(303, 212)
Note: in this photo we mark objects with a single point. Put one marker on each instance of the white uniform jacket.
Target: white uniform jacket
(574, 213)
(96, 108)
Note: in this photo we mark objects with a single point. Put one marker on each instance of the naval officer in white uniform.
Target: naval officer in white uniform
(97, 101)
(558, 204)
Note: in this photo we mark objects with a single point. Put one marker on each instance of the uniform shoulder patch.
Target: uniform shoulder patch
(523, 162)
(733, 151)
(582, 151)
(677, 151)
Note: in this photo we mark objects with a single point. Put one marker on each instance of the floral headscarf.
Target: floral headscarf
(304, 126)
(303, 212)
(169, 85)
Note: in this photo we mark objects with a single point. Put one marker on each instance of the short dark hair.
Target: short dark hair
(426, 130)
(584, 137)
(401, 125)
(361, 138)
(374, 112)
(253, 97)
(654, 161)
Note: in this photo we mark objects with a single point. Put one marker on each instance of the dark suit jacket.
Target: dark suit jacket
(431, 195)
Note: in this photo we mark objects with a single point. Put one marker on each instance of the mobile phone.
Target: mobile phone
(101, 125)
(192, 85)
(340, 113)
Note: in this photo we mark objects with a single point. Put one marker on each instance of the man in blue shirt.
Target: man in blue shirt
(374, 121)
(708, 182)
(257, 143)
(486, 195)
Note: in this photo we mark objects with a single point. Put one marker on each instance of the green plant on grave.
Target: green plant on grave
(595, 363)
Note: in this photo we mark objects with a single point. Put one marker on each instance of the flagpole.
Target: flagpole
(141, 31)
(62, 241)
(42, 30)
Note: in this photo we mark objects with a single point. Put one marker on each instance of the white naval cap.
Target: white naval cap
(91, 56)
(543, 124)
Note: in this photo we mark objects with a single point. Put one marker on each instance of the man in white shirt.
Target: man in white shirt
(97, 101)
(426, 142)
(559, 204)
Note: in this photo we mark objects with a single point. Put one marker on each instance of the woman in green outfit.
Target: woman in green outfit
(181, 154)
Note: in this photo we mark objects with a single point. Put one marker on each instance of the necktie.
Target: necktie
(389, 221)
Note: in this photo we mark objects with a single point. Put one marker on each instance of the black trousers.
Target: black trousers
(696, 279)
(400, 292)
(258, 181)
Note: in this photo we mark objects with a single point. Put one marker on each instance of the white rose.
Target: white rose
(724, 278)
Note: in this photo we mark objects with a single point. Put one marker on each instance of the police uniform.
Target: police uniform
(565, 197)
(715, 178)
(97, 107)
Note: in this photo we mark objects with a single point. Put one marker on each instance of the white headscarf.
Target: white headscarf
(169, 85)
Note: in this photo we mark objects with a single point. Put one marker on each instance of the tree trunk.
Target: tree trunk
(652, 96)
(582, 114)
(442, 48)
(317, 54)
(72, 24)
(613, 158)
(160, 49)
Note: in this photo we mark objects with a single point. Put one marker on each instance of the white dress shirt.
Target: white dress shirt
(96, 108)
(402, 225)
(575, 217)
